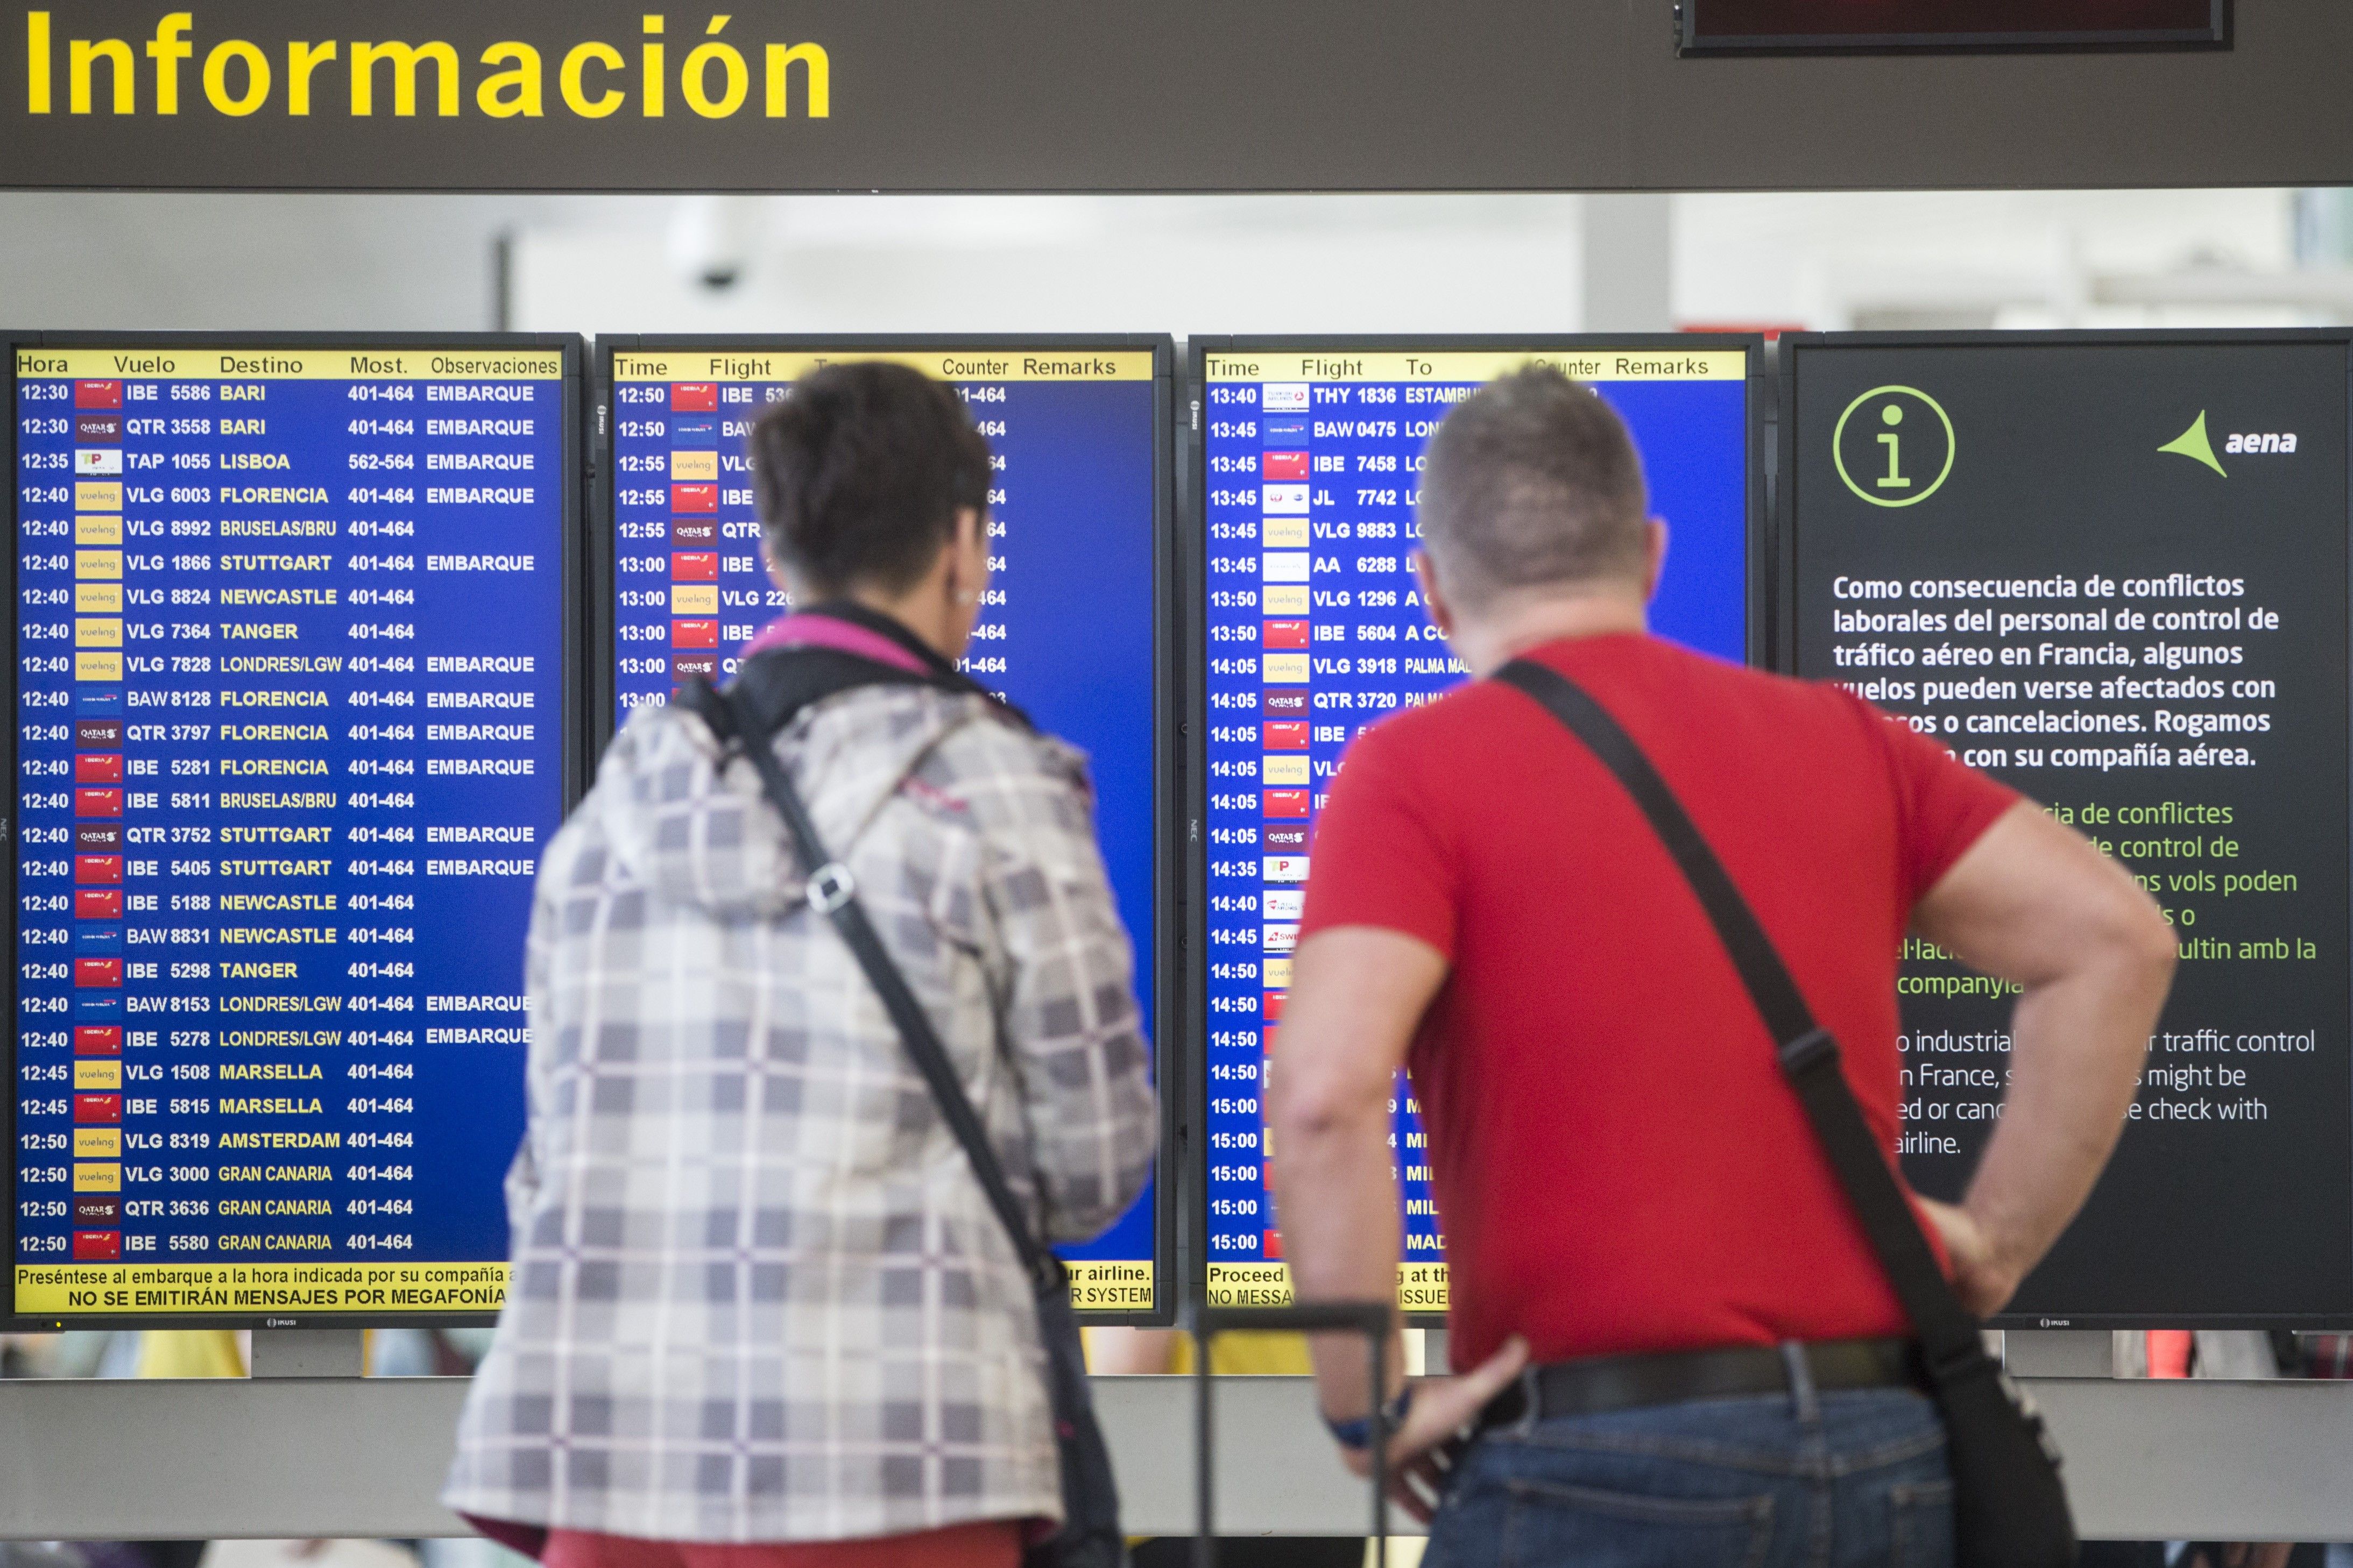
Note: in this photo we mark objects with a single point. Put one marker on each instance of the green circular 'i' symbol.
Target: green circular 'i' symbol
(1891, 457)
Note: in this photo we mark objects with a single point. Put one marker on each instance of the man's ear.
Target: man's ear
(1433, 596)
(1654, 556)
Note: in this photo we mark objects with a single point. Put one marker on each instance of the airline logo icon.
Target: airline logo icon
(97, 1245)
(93, 461)
(98, 972)
(1287, 905)
(97, 430)
(1283, 432)
(694, 397)
(98, 868)
(1285, 668)
(694, 599)
(100, 530)
(1286, 840)
(98, 903)
(1280, 802)
(98, 395)
(1282, 397)
(1285, 567)
(1284, 533)
(97, 939)
(694, 465)
(706, 664)
(104, 1109)
(98, 1040)
(1286, 735)
(98, 1075)
(98, 1143)
(1283, 466)
(694, 634)
(1283, 499)
(694, 432)
(99, 495)
(1286, 868)
(98, 803)
(98, 1210)
(694, 498)
(1278, 769)
(92, 838)
(97, 733)
(695, 566)
(98, 1178)
(97, 767)
(686, 532)
(1281, 938)
(1278, 978)
(1271, 1007)
(1284, 634)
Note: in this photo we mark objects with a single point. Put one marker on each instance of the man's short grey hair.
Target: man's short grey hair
(1531, 483)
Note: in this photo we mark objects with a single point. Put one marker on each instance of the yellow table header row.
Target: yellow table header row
(948, 365)
(1482, 364)
(292, 364)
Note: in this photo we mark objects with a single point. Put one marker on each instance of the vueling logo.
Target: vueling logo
(2196, 446)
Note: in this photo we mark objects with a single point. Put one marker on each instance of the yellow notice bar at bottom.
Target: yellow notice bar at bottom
(1421, 1287)
(121, 1289)
(1106, 1285)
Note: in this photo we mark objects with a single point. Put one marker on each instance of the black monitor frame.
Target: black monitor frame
(1165, 956)
(1793, 350)
(1691, 39)
(1194, 554)
(574, 779)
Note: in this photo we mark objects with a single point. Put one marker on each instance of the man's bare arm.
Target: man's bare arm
(1357, 994)
(2032, 902)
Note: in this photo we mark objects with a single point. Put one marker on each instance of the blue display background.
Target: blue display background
(1066, 635)
(424, 1131)
(1371, 655)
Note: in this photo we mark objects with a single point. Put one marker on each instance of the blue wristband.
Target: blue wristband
(1357, 1431)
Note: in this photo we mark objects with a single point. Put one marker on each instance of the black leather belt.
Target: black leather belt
(1632, 1381)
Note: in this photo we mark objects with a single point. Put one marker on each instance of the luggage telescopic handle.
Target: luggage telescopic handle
(1373, 1319)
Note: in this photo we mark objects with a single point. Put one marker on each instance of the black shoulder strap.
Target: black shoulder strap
(1809, 1058)
(834, 894)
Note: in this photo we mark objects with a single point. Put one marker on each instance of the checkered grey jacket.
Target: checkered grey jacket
(756, 1293)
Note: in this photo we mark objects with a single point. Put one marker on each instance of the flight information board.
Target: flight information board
(1312, 629)
(290, 619)
(1069, 631)
(2110, 571)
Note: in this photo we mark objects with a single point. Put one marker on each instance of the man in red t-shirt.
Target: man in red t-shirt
(1627, 1184)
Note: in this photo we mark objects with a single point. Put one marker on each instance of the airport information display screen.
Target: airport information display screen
(2112, 572)
(291, 698)
(1311, 630)
(1079, 433)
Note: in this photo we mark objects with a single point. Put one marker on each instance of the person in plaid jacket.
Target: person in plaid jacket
(758, 1299)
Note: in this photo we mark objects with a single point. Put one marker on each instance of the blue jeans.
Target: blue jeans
(1785, 1480)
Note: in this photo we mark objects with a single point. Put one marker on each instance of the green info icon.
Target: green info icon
(1894, 445)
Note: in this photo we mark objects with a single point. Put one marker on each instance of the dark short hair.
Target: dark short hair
(860, 473)
(1532, 480)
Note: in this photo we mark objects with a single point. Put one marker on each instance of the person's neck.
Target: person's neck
(925, 611)
(1504, 633)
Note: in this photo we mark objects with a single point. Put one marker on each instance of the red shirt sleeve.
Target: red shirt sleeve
(1942, 807)
(1379, 858)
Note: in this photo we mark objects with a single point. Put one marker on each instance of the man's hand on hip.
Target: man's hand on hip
(1441, 1406)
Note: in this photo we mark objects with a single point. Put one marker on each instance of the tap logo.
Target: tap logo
(1894, 445)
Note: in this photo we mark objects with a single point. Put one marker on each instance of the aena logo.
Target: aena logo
(2196, 446)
